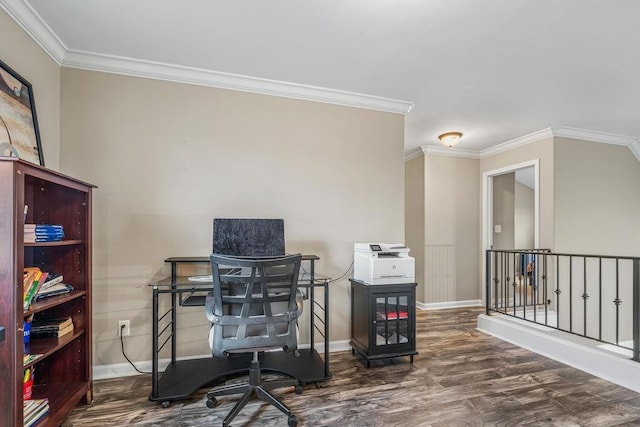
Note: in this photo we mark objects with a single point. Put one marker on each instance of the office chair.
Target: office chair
(253, 308)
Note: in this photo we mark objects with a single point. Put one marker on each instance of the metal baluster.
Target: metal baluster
(617, 301)
(570, 293)
(515, 284)
(585, 296)
(544, 290)
(487, 281)
(558, 291)
(600, 298)
(636, 309)
(534, 286)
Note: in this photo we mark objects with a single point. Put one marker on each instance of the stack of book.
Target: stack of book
(51, 328)
(35, 233)
(52, 287)
(34, 411)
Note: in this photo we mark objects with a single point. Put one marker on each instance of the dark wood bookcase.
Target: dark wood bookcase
(63, 372)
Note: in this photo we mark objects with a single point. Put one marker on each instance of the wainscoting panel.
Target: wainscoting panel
(440, 273)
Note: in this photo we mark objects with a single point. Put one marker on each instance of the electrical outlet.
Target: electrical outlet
(124, 328)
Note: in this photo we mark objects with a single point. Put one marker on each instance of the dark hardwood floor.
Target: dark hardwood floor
(460, 378)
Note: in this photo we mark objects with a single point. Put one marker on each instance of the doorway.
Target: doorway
(508, 219)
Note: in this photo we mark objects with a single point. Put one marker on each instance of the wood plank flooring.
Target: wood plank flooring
(461, 377)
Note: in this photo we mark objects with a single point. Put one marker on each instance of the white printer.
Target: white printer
(383, 263)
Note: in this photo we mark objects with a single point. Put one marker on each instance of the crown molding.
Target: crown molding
(412, 154)
(202, 77)
(593, 136)
(27, 18)
(635, 148)
(554, 132)
(517, 142)
(450, 152)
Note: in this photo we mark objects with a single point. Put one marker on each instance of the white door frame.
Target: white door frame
(487, 209)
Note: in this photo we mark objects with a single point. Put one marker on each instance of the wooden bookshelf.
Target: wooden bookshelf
(63, 369)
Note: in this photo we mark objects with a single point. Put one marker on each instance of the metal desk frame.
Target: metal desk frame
(182, 378)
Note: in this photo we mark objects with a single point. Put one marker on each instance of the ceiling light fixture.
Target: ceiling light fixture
(450, 139)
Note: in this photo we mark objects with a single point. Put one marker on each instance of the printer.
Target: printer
(383, 263)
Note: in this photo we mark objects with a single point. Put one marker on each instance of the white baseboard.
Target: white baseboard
(450, 304)
(117, 370)
(580, 353)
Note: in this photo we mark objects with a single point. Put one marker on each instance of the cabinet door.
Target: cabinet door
(393, 326)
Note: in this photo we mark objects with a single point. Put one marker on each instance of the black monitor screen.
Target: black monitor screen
(248, 237)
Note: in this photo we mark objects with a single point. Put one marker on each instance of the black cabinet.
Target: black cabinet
(383, 320)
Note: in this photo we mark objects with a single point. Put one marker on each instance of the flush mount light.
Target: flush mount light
(450, 139)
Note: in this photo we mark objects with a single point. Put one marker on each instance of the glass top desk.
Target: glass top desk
(182, 378)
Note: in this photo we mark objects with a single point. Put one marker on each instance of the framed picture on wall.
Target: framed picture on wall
(19, 135)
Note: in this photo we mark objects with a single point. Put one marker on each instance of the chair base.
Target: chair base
(254, 387)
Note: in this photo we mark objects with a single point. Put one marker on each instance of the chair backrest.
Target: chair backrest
(253, 304)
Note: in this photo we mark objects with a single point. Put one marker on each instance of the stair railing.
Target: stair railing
(593, 296)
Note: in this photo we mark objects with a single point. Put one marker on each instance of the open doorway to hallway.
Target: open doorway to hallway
(510, 217)
(513, 225)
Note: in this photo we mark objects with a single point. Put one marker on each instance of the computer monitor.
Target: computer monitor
(248, 237)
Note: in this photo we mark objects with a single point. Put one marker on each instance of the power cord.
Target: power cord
(332, 280)
(125, 354)
(344, 275)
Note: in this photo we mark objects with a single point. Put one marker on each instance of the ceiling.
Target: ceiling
(494, 70)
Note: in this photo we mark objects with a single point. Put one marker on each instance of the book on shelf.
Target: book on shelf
(43, 227)
(51, 328)
(52, 279)
(34, 411)
(28, 358)
(32, 405)
(56, 323)
(27, 278)
(52, 333)
(33, 286)
(35, 233)
(52, 291)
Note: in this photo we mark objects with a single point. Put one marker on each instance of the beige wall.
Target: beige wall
(597, 200)
(414, 197)
(524, 221)
(504, 189)
(451, 229)
(542, 150)
(21, 53)
(168, 158)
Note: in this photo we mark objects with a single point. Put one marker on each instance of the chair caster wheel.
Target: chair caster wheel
(211, 402)
(293, 421)
(166, 404)
(299, 389)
